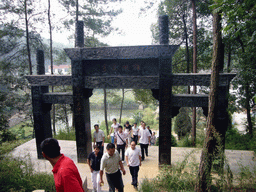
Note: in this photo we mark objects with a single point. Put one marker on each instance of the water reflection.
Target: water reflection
(97, 116)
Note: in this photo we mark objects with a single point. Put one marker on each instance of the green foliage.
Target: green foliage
(182, 176)
(185, 141)
(144, 96)
(18, 174)
(97, 17)
(179, 177)
(7, 147)
(245, 140)
(247, 177)
(173, 141)
(182, 125)
(149, 117)
(65, 135)
(22, 130)
(137, 116)
(114, 97)
(148, 185)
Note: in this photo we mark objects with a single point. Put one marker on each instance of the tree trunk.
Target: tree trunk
(66, 117)
(187, 48)
(105, 110)
(51, 58)
(27, 38)
(194, 69)
(77, 9)
(121, 108)
(229, 58)
(248, 109)
(204, 179)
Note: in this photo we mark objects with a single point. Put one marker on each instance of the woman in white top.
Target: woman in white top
(114, 126)
(135, 131)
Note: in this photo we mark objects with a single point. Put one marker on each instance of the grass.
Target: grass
(7, 147)
(18, 174)
(183, 177)
(22, 130)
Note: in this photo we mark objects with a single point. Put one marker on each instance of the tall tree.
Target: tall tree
(241, 29)
(210, 142)
(193, 2)
(27, 36)
(51, 60)
(97, 16)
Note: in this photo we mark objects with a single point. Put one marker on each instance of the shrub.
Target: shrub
(185, 142)
(7, 147)
(246, 142)
(182, 125)
(173, 141)
(66, 135)
(17, 174)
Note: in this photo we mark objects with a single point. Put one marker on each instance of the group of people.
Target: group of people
(66, 175)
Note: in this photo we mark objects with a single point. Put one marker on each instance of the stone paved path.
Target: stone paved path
(149, 168)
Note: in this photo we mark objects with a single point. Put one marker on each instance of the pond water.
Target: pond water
(97, 116)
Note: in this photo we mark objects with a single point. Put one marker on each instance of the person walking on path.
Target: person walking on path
(94, 163)
(133, 160)
(128, 129)
(121, 141)
(153, 139)
(111, 162)
(135, 131)
(65, 172)
(144, 140)
(113, 130)
(148, 127)
(99, 138)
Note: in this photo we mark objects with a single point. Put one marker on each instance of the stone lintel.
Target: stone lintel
(136, 82)
(189, 100)
(46, 80)
(127, 52)
(58, 97)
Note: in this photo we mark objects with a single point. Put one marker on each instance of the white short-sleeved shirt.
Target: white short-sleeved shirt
(133, 156)
(98, 136)
(110, 163)
(135, 130)
(144, 134)
(123, 135)
(115, 127)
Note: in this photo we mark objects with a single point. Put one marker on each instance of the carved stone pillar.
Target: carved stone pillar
(81, 104)
(165, 95)
(41, 111)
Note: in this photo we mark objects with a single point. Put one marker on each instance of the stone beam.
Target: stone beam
(200, 79)
(128, 52)
(58, 97)
(46, 80)
(135, 82)
(115, 82)
(189, 100)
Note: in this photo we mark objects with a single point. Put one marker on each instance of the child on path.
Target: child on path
(93, 161)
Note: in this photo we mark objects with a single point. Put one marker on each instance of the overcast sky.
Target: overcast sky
(135, 27)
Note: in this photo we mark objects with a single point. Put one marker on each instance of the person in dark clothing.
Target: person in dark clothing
(93, 161)
(148, 127)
